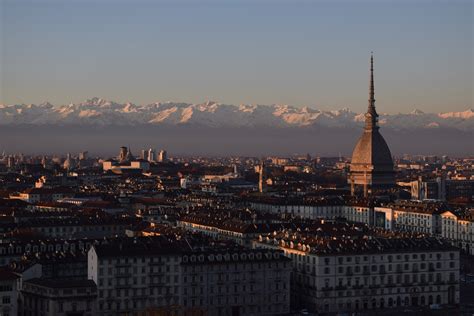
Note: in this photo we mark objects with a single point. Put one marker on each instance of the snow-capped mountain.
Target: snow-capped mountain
(97, 111)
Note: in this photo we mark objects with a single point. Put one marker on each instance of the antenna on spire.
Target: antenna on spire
(371, 116)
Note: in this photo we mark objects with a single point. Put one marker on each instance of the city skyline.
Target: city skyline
(311, 54)
(315, 158)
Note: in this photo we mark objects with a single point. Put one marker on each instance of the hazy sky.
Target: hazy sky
(312, 53)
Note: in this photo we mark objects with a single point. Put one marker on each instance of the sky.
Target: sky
(302, 53)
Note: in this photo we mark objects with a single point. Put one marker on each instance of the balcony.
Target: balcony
(123, 275)
(326, 288)
(357, 287)
(341, 288)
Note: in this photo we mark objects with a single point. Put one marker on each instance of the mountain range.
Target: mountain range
(100, 112)
(210, 128)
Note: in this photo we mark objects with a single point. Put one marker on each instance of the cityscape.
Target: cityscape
(179, 209)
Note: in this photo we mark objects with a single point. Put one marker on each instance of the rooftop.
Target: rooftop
(61, 284)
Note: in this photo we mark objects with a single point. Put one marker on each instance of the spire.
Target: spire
(371, 115)
(372, 89)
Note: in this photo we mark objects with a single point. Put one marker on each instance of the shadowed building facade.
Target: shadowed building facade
(371, 165)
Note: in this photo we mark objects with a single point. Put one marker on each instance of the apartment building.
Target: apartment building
(458, 228)
(357, 273)
(56, 297)
(240, 282)
(170, 276)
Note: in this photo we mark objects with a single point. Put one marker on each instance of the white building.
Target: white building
(458, 227)
(324, 209)
(347, 275)
(417, 217)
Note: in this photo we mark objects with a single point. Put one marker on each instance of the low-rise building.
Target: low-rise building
(58, 297)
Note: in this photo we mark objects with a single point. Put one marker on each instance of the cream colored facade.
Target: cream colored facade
(459, 231)
(351, 282)
(421, 222)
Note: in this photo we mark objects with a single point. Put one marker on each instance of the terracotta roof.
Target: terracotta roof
(144, 246)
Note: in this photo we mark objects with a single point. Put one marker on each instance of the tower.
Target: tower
(123, 154)
(68, 163)
(163, 156)
(151, 155)
(371, 164)
(261, 177)
(83, 155)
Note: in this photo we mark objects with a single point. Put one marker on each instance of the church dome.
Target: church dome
(372, 150)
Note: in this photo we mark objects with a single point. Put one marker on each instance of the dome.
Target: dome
(371, 151)
(371, 164)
